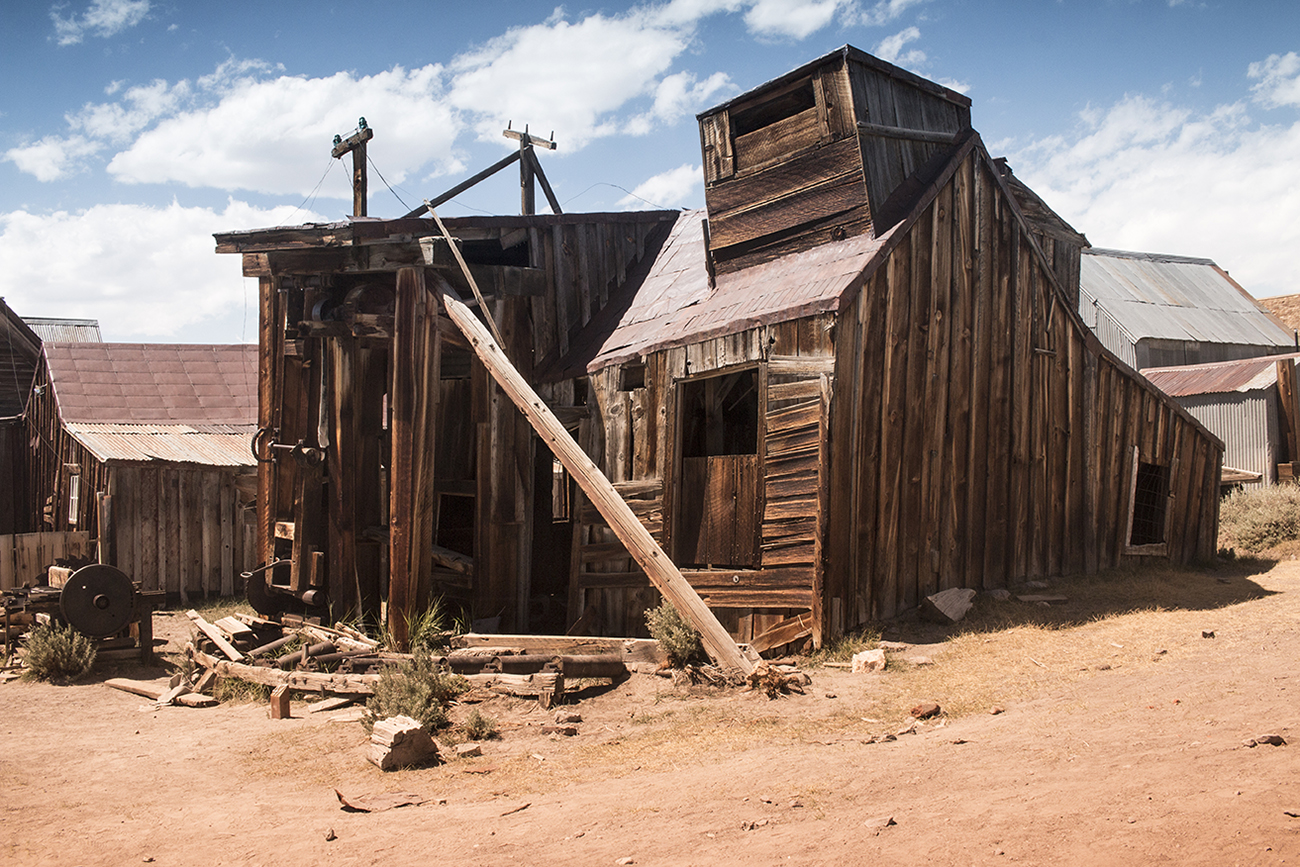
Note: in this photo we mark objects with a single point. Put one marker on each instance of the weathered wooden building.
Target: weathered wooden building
(20, 351)
(855, 379)
(147, 448)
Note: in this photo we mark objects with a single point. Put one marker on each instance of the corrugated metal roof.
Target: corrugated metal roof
(212, 445)
(1248, 374)
(144, 383)
(1175, 298)
(65, 330)
(674, 305)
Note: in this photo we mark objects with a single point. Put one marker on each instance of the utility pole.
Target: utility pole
(530, 169)
(356, 145)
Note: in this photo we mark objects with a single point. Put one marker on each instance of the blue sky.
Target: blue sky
(134, 129)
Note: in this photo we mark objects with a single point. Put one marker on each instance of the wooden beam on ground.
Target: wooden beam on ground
(629, 530)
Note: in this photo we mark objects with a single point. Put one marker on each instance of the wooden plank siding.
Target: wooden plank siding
(1010, 457)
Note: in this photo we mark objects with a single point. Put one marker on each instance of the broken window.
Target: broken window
(786, 104)
(1149, 503)
(74, 497)
(720, 415)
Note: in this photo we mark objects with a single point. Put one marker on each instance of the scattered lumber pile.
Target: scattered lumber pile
(341, 661)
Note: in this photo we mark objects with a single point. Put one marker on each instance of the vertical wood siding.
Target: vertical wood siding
(979, 434)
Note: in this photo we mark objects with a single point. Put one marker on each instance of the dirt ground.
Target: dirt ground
(1137, 756)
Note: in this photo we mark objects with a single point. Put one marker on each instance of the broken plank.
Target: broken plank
(214, 633)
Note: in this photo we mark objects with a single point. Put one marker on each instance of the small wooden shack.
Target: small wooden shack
(857, 378)
(1251, 404)
(147, 448)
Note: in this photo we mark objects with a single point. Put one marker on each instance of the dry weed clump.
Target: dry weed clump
(57, 653)
(418, 688)
(1254, 519)
(679, 640)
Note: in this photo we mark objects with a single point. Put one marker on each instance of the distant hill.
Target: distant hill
(1286, 308)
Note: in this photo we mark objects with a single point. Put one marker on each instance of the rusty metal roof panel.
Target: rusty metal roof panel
(147, 383)
(53, 330)
(1249, 374)
(1176, 298)
(211, 445)
(674, 305)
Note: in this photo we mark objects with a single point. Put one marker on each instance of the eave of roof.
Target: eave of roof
(1222, 377)
(207, 445)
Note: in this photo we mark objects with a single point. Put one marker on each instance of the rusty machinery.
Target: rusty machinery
(99, 601)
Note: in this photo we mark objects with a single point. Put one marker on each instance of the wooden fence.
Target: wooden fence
(23, 557)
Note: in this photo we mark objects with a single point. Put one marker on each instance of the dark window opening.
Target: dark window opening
(798, 99)
(456, 524)
(1150, 497)
(632, 375)
(455, 363)
(489, 252)
(720, 415)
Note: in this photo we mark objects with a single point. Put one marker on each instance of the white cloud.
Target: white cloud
(53, 157)
(670, 189)
(677, 95)
(104, 18)
(1154, 177)
(884, 12)
(797, 19)
(591, 69)
(890, 49)
(148, 272)
(1279, 77)
(118, 121)
(273, 135)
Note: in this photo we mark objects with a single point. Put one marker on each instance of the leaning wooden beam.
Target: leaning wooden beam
(463, 186)
(541, 179)
(630, 531)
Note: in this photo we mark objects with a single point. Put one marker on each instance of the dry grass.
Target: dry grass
(1003, 653)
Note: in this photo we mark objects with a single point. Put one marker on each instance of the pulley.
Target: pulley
(98, 600)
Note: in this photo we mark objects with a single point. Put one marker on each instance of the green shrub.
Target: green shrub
(57, 653)
(679, 641)
(417, 688)
(1261, 517)
(479, 727)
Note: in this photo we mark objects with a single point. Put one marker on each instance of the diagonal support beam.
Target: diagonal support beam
(665, 576)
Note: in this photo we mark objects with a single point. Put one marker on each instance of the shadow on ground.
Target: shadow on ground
(1143, 587)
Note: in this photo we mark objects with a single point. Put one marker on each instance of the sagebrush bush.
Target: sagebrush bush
(479, 727)
(1260, 517)
(57, 653)
(418, 688)
(679, 640)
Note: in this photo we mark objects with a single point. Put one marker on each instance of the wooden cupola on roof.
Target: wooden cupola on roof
(816, 154)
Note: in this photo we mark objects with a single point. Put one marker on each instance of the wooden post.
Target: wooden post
(356, 145)
(414, 396)
(630, 531)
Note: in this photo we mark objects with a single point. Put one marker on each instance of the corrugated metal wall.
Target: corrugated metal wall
(1247, 424)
